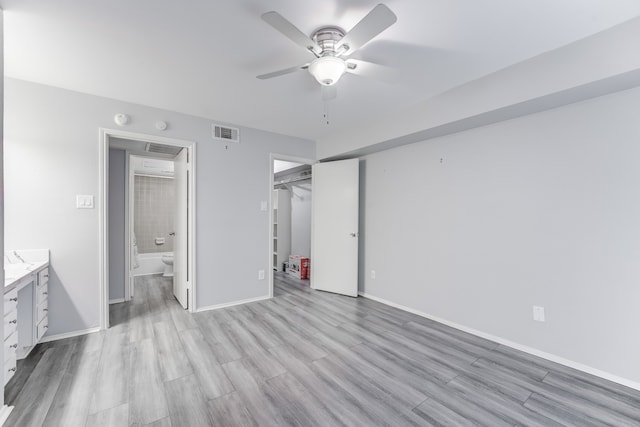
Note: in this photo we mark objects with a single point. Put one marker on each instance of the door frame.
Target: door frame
(103, 214)
(286, 158)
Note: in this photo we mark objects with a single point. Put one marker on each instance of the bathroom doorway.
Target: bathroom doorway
(129, 161)
(152, 218)
(290, 215)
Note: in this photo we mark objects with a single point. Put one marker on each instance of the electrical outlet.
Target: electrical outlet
(538, 313)
(373, 274)
(260, 274)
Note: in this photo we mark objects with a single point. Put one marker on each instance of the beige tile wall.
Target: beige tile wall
(154, 213)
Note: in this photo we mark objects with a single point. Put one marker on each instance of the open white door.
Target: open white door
(180, 245)
(334, 227)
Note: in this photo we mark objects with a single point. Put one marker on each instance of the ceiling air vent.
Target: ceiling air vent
(225, 133)
(162, 149)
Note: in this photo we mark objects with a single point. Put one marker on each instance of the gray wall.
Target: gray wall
(301, 219)
(117, 215)
(51, 144)
(477, 227)
(154, 213)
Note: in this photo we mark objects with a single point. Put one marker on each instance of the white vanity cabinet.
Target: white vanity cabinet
(10, 333)
(41, 320)
(26, 304)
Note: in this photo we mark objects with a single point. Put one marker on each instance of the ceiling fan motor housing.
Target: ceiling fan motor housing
(327, 38)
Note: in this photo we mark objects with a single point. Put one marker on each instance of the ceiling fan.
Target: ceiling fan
(331, 45)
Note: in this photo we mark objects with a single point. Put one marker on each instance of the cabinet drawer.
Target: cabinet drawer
(42, 328)
(9, 368)
(10, 301)
(42, 293)
(43, 309)
(43, 276)
(10, 322)
(10, 346)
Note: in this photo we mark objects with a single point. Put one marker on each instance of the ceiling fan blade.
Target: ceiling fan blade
(329, 92)
(379, 19)
(282, 72)
(292, 32)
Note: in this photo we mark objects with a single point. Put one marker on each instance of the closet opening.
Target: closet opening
(290, 224)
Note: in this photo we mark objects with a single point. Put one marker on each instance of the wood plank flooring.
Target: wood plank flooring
(303, 358)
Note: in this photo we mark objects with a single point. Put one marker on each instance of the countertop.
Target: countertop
(14, 273)
(19, 264)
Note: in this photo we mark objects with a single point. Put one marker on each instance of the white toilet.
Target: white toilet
(167, 260)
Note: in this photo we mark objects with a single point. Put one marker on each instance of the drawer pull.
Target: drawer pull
(45, 293)
(14, 345)
(12, 370)
(46, 275)
(45, 309)
(46, 326)
(13, 299)
(13, 321)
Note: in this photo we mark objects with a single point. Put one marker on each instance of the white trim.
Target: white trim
(23, 354)
(4, 413)
(272, 157)
(103, 170)
(191, 232)
(533, 351)
(117, 300)
(127, 228)
(70, 334)
(231, 304)
(129, 293)
(103, 228)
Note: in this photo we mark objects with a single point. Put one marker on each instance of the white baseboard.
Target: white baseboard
(548, 356)
(231, 304)
(22, 354)
(116, 300)
(70, 334)
(4, 413)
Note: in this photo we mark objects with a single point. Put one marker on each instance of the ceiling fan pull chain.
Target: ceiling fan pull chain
(326, 112)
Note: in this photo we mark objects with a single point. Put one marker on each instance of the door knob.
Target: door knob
(354, 234)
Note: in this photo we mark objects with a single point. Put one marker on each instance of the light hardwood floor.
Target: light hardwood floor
(301, 358)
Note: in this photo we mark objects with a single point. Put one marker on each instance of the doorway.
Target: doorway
(152, 219)
(290, 214)
(147, 146)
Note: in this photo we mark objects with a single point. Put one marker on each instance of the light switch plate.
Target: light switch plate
(538, 313)
(84, 201)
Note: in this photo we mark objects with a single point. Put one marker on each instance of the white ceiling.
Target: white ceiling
(201, 57)
(281, 165)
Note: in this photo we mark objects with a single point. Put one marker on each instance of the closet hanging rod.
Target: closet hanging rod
(291, 181)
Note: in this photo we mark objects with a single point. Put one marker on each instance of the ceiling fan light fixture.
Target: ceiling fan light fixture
(327, 70)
